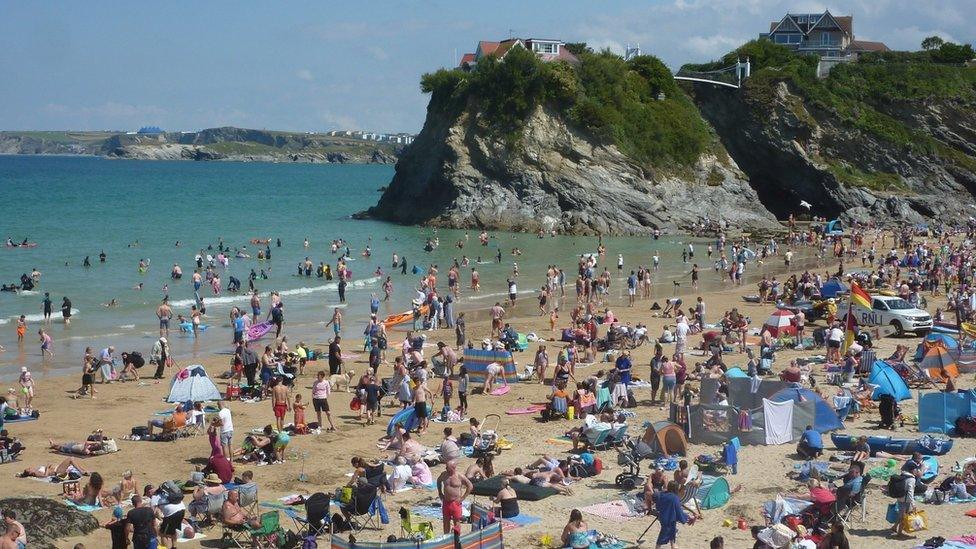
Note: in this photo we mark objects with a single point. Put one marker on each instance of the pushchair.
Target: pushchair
(630, 456)
(487, 442)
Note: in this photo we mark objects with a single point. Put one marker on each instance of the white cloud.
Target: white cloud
(713, 46)
(600, 44)
(305, 74)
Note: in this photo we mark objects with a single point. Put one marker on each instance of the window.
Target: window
(794, 38)
(781, 38)
(826, 39)
(545, 47)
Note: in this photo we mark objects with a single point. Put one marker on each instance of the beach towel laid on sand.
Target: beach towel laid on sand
(611, 510)
(525, 492)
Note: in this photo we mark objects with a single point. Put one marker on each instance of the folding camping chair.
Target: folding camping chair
(845, 510)
(317, 518)
(361, 511)
(612, 439)
(422, 531)
(270, 535)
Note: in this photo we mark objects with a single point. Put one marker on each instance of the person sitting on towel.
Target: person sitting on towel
(811, 444)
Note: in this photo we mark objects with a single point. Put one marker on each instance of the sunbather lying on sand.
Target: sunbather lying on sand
(545, 479)
(63, 470)
(79, 448)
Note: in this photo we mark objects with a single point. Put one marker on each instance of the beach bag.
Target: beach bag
(914, 521)
(309, 542)
(140, 431)
(896, 486)
(170, 492)
(892, 515)
(355, 404)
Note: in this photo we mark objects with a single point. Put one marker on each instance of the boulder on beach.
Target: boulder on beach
(47, 520)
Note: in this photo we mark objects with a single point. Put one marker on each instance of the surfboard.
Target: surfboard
(499, 391)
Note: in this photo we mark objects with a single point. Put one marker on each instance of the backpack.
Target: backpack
(170, 492)
(896, 486)
(966, 426)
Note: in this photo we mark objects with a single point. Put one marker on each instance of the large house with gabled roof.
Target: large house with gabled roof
(823, 34)
(546, 49)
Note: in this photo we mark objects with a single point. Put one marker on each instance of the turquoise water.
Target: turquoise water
(77, 207)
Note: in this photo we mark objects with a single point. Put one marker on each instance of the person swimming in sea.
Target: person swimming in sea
(113, 303)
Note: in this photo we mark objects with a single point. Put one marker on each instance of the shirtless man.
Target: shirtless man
(164, 313)
(232, 514)
(279, 402)
(420, 396)
(452, 488)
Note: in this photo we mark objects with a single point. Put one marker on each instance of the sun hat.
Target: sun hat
(212, 478)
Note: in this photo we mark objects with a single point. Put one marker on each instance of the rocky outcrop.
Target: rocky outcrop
(555, 178)
(47, 520)
(228, 144)
(794, 150)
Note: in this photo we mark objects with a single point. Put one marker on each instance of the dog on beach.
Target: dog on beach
(337, 379)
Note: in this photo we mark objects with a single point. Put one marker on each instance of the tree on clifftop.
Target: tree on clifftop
(932, 42)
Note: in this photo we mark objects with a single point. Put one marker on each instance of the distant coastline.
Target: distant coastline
(215, 144)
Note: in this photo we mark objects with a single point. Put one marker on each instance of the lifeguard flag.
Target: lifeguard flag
(860, 297)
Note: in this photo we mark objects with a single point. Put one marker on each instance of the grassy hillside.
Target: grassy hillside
(869, 94)
(635, 104)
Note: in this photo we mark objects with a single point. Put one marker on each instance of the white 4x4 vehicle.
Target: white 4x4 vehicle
(895, 312)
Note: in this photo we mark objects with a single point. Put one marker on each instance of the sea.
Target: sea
(78, 207)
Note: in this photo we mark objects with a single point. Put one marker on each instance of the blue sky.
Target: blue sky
(314, 66)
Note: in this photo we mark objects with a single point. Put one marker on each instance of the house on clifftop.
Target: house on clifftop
(546, 49)
(822, 34)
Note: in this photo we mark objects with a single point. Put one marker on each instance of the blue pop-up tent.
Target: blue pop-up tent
(833, 287)
(888, 382)
(834, 227)
(825, 418)
(938, 411)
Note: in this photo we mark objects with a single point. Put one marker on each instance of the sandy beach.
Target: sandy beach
(762, 469)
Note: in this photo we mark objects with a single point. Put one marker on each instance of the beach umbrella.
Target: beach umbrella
(939, 364)
(779, 323)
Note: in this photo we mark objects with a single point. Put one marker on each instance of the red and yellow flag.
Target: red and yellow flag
(860, 297)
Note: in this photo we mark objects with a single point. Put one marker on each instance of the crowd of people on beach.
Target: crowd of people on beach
(418, 375)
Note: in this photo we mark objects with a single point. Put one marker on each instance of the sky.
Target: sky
(318, 66)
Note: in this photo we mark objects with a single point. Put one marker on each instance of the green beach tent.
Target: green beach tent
(714, 492)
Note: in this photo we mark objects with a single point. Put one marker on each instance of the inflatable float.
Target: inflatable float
(927, 446)
(407, 418)
(28, 245)
(400, 318)
(188, 327)
(499, 391)
(259, 330)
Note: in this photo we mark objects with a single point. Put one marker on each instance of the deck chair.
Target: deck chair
(318, 521)
(270, 535)
(845, 510)
(360, 509)
(558, 408)
(689, 500)
(248, 494)
(422, 531)
(597, 439)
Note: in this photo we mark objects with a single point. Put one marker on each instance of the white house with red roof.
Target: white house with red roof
(546, 49)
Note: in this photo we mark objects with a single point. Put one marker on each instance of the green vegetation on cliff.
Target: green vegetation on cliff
(634, 104)
(875, 94)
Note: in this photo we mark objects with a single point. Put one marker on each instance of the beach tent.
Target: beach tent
(666, 438)
(833, 287)
(825, 418)
(716, 424)
(887, 382)
(938, 411)
(939, 364)
(476, 361)
(736, 372)
(934, 339)
(714, 492)
(834, 227)
(779, 323)
(191, 384)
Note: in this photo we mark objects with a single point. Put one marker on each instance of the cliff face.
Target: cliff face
(555, 177)
(795, 149)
